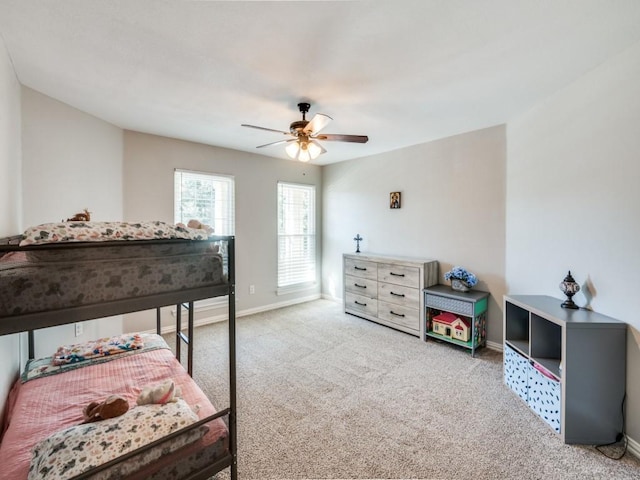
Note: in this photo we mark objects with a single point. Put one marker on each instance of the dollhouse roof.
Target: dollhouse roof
(445, 317)
(449, 318)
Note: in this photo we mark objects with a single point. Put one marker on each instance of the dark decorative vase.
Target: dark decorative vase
(459, 285)
(569, 287)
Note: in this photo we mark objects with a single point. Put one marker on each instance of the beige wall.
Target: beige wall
(573, 200)
(10, 148)
(10, 210)
(70, 160)
(149, 163)
(453, 204)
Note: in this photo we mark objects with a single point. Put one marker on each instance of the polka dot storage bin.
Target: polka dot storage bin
(545, 398)
(516, 372)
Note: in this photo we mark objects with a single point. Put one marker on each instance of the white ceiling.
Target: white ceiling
(402, 72)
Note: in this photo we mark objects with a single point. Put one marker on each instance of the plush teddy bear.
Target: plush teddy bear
(160, 393)
(84, 216)
(112, 406)
(200, 226)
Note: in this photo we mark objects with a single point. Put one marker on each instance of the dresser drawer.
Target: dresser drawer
(406, 317)
(361, 286)
(360, 304)
(399, 295)
(361, 268)
(399, 275)
(449, 304)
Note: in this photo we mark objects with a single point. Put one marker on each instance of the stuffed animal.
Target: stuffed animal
(161, 393)
(112, 406)
(81, 217)
(200, 226)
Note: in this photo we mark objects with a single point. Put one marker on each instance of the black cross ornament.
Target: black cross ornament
(358, 239)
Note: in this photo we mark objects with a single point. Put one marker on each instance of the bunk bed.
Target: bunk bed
(57, 274)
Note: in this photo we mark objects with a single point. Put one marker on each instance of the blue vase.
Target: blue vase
(459, 285)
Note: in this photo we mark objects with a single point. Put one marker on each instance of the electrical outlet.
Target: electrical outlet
(78, 329)
(252, 289)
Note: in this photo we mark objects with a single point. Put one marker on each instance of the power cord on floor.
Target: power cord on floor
(621, 437)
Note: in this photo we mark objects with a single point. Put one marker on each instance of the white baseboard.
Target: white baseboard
(273, 306)
(633, 447)
(332, 298)
(223, 317)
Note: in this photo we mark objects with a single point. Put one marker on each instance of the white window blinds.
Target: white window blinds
(205, 197)
(296, 234)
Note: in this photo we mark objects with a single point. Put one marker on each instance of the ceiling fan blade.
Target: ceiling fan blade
(336, 137)
(317, 123)
(264, 128)
(277, 143)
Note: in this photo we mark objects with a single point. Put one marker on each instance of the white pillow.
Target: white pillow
(75, 450)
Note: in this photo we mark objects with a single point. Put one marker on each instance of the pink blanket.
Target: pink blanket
(45, 405)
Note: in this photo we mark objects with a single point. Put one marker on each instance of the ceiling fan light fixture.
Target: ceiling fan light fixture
(314, 150)
(303, 150)
(304, 156)
(292, 149)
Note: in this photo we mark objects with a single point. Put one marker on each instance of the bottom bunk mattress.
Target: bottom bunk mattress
(45, 437)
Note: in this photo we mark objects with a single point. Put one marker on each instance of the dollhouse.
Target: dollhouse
(452, 326)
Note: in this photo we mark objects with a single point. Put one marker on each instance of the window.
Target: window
(209, 199)
(205, 197)
(296, 234)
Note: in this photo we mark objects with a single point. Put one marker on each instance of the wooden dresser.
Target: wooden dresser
(387, 289)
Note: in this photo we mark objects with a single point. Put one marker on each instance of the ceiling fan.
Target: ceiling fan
(303, 146)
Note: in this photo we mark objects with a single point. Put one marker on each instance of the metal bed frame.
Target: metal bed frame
(182, 298)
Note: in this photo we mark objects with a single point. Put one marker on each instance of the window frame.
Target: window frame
(230, 198)
(209, 303)
(307, 284)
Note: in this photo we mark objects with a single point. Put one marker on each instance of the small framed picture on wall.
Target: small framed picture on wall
(394, 200)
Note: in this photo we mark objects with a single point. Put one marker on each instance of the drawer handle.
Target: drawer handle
(396, 314)
(361, 304)
(397, 294)
(359, 286)
(361, 268)
(397, 274)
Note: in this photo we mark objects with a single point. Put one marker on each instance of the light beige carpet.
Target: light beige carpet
(322, 394)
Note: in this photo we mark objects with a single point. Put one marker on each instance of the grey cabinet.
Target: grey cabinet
(567, 365)
(388, 290)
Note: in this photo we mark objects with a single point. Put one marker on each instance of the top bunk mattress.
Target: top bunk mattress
(61, 267)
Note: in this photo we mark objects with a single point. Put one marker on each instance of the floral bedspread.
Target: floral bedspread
(108, 231)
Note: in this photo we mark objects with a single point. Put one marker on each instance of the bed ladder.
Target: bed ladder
(181, 337)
